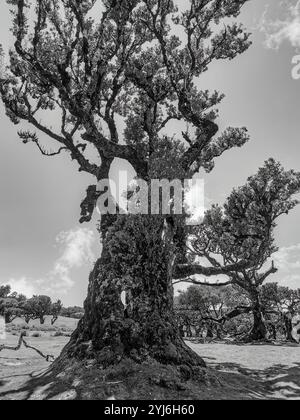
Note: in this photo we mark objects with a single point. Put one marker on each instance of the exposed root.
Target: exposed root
(48, 357)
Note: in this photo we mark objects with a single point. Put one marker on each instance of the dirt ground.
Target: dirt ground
(274, 368)
(243, 371)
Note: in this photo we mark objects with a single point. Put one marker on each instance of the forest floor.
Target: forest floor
(239, 372)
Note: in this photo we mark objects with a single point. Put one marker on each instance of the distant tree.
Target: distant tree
(10, 309)
(214, 306)
(10, 304)
(5, 291)
(282, 301)
(38, 307)
(55, 311)
(73, 312)
(243, 230)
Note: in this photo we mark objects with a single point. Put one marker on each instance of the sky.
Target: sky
(44, 249)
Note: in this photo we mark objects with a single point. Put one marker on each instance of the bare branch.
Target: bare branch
(21, 341)
(202, 283)
(186, 270)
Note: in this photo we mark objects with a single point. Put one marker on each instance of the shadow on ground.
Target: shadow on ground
(236, 383)
(233, 374)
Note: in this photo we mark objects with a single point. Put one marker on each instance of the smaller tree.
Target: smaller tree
(243, 230)
(284, 302)
(5, 291)
(10, 304)
(73, 312)
(56, 309)
(10, 309)
(193, 306)
(38, 307)
(215, 307)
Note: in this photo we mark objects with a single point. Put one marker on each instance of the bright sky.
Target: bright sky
(43, 249)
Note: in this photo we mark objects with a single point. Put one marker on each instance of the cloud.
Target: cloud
(22, 286)
(75, 252)
(195, 200)
(287, 260)
(283, 29)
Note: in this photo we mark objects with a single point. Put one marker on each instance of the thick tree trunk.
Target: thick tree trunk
(219, 332)
(259, 329)
(273, 331)
(137, 259)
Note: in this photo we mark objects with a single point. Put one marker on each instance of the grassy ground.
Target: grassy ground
(62, 325)
(235, 372)
(17, 368)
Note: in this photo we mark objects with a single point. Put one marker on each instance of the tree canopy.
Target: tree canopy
(243, 229)
(127, 63)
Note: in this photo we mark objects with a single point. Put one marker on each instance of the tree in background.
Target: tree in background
(55, 311)
(14, 305)
(5, 291)
(10, 309)
(212, 308)
(285, 303)
(244, 230)
(127, 64)
(10, 304)
(73, 312)
(38, 307)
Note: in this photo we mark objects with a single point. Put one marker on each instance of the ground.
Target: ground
(235, 372)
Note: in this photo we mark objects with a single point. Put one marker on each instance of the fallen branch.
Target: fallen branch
(4, 347)
(21, 341)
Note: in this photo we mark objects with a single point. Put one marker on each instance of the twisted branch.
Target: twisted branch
(21, 341)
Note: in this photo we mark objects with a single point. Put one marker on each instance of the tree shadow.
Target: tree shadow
(45, 385)
(2, 383)
(277, 382)
(265, 343)
(237, 382)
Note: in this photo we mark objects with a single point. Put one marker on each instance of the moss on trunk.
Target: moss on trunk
(137, 260)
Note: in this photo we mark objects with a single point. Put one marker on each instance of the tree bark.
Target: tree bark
(273, 331)
(288, 324)
(137, 259)
(259, 329)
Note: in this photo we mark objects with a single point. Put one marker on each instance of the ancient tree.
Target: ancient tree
(115, 80)
(243, 230)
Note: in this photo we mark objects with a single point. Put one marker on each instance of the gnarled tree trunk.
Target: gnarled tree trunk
(137, 258)
(259, 329)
